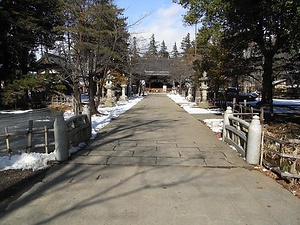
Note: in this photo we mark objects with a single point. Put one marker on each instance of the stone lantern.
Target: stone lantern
(110, 97)
(190, 87)
(123, 97)
(203, 89)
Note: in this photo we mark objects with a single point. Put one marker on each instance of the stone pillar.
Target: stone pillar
(254, 141)
(227, 113)
(174, 88)
(123, 97)
(61, 139)
(204, 95)
(86, 110)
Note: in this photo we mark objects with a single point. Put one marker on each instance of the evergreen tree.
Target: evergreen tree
(134, 51)
(152, 48)
(26, 24)
(134, 56)
(163, 52)
(272, 26)
(186, 44)
(175, 53)
(98, 37)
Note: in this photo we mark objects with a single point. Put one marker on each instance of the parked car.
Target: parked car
(234, 92)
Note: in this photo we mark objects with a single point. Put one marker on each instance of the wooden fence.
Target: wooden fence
(61, 100)
(283, 157)
(78, 129)
(245, 111)
(29, 145)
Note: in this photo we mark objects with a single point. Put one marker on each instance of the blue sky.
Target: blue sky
(164, 20)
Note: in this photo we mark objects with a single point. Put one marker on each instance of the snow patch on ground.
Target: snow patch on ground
(36, 161)
(15, 111)
(191, 107)
(216, 125)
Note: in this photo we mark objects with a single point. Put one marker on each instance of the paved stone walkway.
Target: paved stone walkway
(155, 164)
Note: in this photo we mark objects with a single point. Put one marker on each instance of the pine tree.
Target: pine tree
(152, 48)
(24, 26)
(163, 52)
(134, 51)
(98, 39)
(134, 56)
(186, 44)
(271, 26)
(175, 52)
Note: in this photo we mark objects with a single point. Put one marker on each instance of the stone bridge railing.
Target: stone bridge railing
(69, 132)
(245, 137)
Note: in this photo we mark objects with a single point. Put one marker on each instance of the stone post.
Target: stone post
(204, 92)
(227, 113)
(87, 111)
(61, 139)
(129, 92)
(173, 88)
(254, 141)
(123, 97)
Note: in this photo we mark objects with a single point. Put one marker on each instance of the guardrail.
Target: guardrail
(245, 137)
(235, 133)
(282, 157)
(73, 131)
(78, 129)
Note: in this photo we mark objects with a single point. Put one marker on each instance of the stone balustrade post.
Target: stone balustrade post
(61, 139)
(123, 97)
(86, 110)
(254, 141)
(226, 120)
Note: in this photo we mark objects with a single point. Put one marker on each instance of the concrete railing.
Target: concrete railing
(245, 137)
(69, 132)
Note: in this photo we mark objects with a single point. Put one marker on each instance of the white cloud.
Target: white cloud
(166, 24)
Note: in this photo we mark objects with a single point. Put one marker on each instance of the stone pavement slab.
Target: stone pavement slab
(88, 194)
(155, 164)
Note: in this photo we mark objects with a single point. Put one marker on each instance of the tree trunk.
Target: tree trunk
(92, 90)
(267, 91)
(76, 95)
(76, 100)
